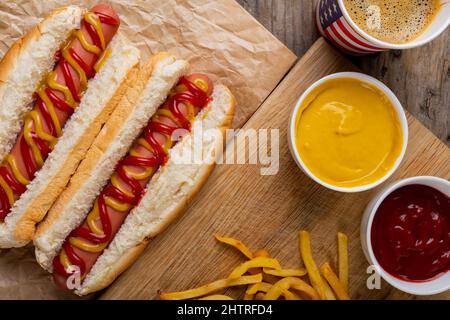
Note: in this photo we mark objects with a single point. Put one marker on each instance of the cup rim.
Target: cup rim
(397, 106)
(387, 45)
(403, 285)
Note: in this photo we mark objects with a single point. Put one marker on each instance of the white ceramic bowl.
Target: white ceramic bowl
(434, 286)
(363, 77)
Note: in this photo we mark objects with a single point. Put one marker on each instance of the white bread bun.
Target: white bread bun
(168, 193)
(24, 65)
(153, 84)
(102, 96)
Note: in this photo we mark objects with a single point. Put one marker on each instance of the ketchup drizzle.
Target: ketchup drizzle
(47, 118)
(16, 186)
(69, 80)
(194, 96)
(90, 72)
(25, 150)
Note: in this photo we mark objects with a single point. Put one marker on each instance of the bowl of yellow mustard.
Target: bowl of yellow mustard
(348, 132)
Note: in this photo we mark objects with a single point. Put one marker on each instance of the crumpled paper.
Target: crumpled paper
(217, 37)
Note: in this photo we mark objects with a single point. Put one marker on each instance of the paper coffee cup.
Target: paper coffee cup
(335, 24)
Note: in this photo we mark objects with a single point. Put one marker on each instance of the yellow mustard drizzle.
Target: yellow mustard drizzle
(116, 183)
(33, 121)
(85, 43)
(94, 21)
(201, 83)
(15, 169)
(86, 246)
(64, 259)
(91, 221)
(53, 84)
(51, 109)
(166, 113)
(8, 190)
(117, 205)
(82, 75)
(102, 59)
(27, 133)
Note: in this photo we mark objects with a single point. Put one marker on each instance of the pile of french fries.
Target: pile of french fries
(267, 280)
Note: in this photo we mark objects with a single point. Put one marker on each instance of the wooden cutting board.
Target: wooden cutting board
(238, 54)
(268, 211)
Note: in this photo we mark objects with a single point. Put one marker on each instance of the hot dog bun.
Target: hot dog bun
(154, 81)
(168, 194)
(169, 190)
(24, 65)
(103, 93)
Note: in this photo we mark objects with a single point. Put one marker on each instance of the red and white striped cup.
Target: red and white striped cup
(335, 24)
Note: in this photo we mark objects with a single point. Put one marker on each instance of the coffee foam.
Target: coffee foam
(394, 21)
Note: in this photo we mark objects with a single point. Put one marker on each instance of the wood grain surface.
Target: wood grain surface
(420, 77)
(268, 211)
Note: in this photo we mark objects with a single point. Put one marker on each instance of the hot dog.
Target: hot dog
(56, 126)
(101, 237)
(52, 100)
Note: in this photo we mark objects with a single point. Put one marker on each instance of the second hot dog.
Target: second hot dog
(25, 196)
(124, 180)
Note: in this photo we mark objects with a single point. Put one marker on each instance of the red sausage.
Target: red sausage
(89, 58)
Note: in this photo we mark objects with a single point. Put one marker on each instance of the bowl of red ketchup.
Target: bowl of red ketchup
(405, 234)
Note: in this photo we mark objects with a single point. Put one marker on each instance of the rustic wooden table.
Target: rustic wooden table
(420, 77)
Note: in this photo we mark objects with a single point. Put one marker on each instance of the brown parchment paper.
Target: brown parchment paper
(217, 37)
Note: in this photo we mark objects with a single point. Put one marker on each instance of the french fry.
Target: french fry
(259, 262)
(288, 283)
(258, 253)
(270, 278)
(290, 295)
(211, 288)
(261, 274)
(258, 287)
(236, 244)
(261, 253)
(248, 297)
(343, 259)
(217, 297)
(259, 296)
(318, 283)
(334, 282)
(286, 272)
(265, 287)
